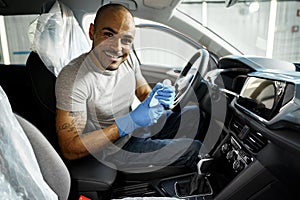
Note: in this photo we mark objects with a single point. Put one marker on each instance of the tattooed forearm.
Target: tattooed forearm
(73, 143)
(76, 125)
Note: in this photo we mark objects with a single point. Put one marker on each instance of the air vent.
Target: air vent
(255, 141)
(236, 126)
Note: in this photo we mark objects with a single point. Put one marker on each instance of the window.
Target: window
(15, 44)
(157, 45)
(264, 28)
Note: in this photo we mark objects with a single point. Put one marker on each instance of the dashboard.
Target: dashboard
(258, 153)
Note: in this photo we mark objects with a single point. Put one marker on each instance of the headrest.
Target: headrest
(57, 37)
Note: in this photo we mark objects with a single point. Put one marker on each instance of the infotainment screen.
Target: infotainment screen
(262, 96)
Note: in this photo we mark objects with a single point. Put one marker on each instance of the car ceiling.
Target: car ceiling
(159, 10)
(162, 11)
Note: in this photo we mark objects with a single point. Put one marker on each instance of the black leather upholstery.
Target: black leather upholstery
(15, 81)
(95, 175)
(43, 86)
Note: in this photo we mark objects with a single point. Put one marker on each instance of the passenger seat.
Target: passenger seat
(52, 167)
(32, 169)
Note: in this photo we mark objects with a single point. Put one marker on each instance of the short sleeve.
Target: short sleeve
(70, 90)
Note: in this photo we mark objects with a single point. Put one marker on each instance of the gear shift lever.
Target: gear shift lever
(203, 165)
(197, 184)
(198, 181)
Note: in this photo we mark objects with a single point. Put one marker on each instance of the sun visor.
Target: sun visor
(158, 4)
(129, 4)
(57, 37)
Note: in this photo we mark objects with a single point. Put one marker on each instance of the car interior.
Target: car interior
(249, 126)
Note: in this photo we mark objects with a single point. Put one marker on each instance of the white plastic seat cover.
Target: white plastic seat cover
(20, 175)
(57, 37)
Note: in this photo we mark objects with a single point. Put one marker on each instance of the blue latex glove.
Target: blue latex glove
(142, 116)
(166, 96)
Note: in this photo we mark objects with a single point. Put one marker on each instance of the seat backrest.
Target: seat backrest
(43, 86)
(43, 81)
(30, 167)
(53, 169)
(57, 38)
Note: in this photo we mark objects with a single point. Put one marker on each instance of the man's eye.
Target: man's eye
(126, 41)
(108, 34)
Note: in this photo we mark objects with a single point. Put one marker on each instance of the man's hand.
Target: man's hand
(143, 115)
(166, 96)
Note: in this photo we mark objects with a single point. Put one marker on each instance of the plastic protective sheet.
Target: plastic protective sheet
(20, 175)
(57, 37)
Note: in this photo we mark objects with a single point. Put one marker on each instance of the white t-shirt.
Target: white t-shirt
(104, 95)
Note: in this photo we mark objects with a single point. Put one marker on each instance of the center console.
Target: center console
(240, 164)
(247, 161)
(244, 164)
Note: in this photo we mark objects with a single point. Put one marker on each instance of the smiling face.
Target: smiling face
(112, 35)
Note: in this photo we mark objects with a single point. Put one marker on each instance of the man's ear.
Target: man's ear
(91, 31)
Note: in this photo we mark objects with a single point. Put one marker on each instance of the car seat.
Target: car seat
(53, 169)
(30, 167)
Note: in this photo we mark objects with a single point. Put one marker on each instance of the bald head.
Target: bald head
(112, 9)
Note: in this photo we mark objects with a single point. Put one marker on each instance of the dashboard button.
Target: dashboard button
(225, 148)
(231, 155)
(238, 165)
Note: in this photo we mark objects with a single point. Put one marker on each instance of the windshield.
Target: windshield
(268, 28)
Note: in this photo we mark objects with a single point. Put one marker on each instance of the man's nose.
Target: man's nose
(116, 44)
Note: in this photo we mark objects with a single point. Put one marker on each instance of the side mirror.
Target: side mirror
(229, 3)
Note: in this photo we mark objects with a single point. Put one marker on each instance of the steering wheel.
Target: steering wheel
(189, 78)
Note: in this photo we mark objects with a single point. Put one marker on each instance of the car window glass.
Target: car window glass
(261, 28)
(15, 44)
(158, 47)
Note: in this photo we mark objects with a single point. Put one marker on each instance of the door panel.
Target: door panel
(154, 74)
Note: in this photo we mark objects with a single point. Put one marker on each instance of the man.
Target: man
(94, 94)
